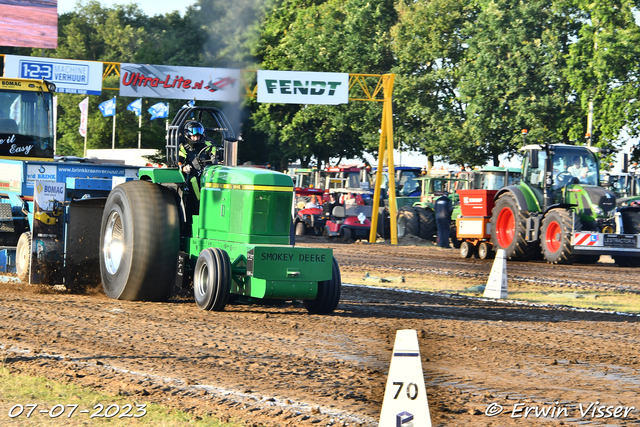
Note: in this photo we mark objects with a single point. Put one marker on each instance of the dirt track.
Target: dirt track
(279, 366)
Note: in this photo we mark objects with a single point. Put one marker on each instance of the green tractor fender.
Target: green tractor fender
(525, 197)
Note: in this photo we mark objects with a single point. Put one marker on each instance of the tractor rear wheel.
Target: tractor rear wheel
(408, 222)
(631, 224)
(139, 242)
(509, 226)
(555, 236)
(427, 226)
(328, 293)
(212, 279)
(23, 256)
(466, 249)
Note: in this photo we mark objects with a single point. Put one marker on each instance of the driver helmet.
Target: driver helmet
(194, 132)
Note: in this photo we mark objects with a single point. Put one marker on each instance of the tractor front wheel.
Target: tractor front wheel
(212, 279)
(509, 226)
(23, 256)
(328, 293)
(408, 222)
(139, 242)
(555, 236)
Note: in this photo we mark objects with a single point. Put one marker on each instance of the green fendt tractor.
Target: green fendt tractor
(229, 230)
(559, 212)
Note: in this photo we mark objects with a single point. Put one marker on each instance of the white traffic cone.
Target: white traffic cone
(497, 283)
(405, 401)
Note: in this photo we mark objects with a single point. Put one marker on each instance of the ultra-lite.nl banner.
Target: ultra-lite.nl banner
(172, 82)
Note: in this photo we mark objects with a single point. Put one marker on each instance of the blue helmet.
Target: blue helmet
(193, 128)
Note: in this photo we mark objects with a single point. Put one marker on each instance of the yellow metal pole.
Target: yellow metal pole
(385, 147)
(387, 115)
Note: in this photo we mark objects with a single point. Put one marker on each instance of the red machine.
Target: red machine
(473, 226)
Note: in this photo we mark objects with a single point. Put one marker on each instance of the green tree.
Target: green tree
(603, 68)
(512, 78)
(430, 48)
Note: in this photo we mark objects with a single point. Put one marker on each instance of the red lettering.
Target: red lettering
(179, 81)
(187, 84)
(131, 80)
(155, 82)
(198, 85)
(166, 82)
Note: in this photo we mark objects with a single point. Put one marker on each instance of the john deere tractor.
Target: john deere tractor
(559, 212)
(228, 231)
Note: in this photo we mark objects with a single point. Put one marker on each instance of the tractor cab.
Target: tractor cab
(26, 119)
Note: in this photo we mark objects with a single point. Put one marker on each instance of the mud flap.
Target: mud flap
(82, 263)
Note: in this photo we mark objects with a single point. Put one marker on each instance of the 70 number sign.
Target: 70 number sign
(412, 390)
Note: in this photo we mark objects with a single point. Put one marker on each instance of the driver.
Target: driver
(193, 152)
(576, 169)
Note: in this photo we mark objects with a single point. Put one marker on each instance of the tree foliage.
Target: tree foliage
(470, 74)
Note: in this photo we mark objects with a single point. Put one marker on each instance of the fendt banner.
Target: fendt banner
(69, 75)
(301, 87)
(172, 82)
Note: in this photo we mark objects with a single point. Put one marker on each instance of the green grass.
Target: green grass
(21, 389)
(538, 294)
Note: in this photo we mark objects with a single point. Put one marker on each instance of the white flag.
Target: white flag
(84, 116)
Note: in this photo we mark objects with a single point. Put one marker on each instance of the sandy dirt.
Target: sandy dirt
(279, 366)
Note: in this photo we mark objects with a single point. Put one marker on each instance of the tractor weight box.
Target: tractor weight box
(474, 228)
(476, 202)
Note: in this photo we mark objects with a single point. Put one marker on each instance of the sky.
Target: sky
(149, 7)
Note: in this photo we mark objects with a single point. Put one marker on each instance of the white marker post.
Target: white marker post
(497, 283)
(405, 401)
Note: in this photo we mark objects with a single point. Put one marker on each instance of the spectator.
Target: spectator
(350, 200)
(312, 203)
(444, 209)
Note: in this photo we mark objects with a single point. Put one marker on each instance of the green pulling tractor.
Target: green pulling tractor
(226, 229)
(558, 211)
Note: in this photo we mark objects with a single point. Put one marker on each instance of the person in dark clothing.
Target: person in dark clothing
(444, 209)
(194, 154)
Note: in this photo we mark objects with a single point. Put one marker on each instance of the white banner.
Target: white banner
(300, 87)
(69, 76)
(172, 82)
(84, 116)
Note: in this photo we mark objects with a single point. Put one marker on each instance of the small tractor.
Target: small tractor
(230, 232)
(558, 211)
(419, 218)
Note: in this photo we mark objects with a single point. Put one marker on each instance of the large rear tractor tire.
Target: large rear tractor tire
(212, 279)
(509, 226)
(23, 256)
(328, 293)
(427, 227)
(555, 236)
(139, 242)
(408, 222)
(631, 224)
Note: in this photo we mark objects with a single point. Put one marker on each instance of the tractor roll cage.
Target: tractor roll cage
(175, 131)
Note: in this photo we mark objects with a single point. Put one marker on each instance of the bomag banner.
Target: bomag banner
(47, 239)
(172, 82)
(301, 87)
